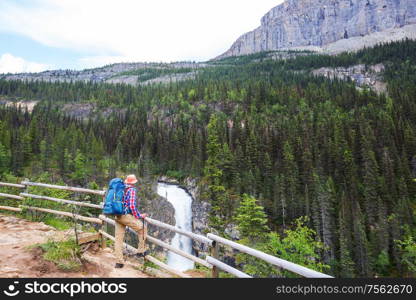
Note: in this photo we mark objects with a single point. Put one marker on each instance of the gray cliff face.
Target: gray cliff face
(115, 73)
(361, 75)
(200, 214)
(303, 23)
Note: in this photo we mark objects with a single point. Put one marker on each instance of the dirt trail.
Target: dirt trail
(16, 260)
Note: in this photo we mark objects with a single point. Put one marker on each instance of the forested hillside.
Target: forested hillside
(301, 145)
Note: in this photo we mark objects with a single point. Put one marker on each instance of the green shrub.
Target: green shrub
(65, 254)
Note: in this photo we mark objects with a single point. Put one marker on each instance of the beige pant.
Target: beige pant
(135, 224)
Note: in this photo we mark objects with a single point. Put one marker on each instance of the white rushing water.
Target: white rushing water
(181, 201)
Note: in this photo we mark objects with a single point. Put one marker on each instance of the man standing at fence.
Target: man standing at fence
(131, 218)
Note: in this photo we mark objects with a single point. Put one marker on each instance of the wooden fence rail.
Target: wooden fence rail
(11, 196)
(21, 186)
(189, 234)
(86, 204)
(179, 252)
(10, 208)
(63, 213)
(269, 258)
(66, 188)
(226, 268)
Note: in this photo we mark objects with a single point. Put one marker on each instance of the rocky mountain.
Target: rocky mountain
(127, 73)
(331, 26)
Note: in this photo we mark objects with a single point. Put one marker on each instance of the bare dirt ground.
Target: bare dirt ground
(18, 259)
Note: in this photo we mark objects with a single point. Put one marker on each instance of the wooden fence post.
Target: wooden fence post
(104, 225)
(214, 254)
(103, 241)
(26, 190)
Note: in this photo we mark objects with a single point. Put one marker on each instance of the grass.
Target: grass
(65, 254)
(59, 224)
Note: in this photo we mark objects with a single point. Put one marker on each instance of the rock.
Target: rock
(171, 78)
(316, 24)
(45, 228)
(361, 75)
(232, 231)
(169, 180)
(200, 213)
(115, 73)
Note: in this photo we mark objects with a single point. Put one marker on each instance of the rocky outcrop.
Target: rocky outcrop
(170, 78)
(232, 231)
(361, 75)
(88, 110)
(115, 73)
(315, 24)
(29, 105)
(200, 209)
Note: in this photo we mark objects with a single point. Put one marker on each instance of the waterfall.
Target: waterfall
(182, 202)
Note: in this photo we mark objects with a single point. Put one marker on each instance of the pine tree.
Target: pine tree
(217, 193)
(44, 155)
(4, 160)
(251, 219)
(80, 173)
(346, 264)
(361, 246)
(370, 183)
(291, 182)
(326, 199)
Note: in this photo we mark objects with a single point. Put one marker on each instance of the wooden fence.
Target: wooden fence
(213, 241)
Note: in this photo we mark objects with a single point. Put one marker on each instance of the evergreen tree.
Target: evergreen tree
(4, 160)
(251, 219)
(213, 174)
(80, 172)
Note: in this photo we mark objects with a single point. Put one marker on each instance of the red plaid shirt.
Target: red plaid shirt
(129, 201)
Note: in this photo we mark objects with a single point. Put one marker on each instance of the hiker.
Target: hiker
(131, 218)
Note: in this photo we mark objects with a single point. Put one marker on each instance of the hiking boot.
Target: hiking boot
(119, 266)
(142, 254)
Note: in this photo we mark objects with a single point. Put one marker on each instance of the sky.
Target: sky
(37, 35)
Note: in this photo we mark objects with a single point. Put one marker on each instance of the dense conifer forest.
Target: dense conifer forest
(340, 159)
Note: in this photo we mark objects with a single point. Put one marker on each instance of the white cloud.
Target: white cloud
(14, 64)
(158, 30)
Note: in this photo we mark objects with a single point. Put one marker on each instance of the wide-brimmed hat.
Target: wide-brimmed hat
(130, 179)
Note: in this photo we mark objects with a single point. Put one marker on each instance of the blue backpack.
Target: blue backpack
(113, 204)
